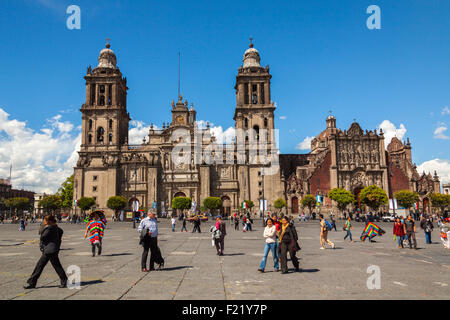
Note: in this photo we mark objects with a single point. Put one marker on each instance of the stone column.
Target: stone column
(266, 93)
(241, 93)
(152, 187)
(259, 93)
(114, 94)
(96, 94)
(88, 94)
(249, 93)
(107, 94)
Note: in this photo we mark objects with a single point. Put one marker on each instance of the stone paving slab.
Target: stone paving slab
(193, 270)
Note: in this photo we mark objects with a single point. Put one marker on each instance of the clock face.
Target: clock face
(180, 119)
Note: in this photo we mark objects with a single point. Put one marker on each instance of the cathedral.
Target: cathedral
(153, 173)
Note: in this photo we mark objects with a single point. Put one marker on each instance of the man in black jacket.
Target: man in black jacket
(50, 244)
(288, 243)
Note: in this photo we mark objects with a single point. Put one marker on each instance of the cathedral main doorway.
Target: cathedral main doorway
(294, 204)
(226, 206)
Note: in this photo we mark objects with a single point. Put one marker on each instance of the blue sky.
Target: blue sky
(321, 55)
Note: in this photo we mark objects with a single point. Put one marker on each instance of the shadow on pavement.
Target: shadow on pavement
(116, 254)
(175, 268)
(234, 254)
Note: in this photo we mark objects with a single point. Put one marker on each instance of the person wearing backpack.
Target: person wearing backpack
(219, 233)
(325, 226)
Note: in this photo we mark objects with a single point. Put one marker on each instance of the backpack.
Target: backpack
(328, 225)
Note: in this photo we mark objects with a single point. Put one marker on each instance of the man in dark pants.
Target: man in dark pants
(51, 236)
(149, 240)
(220, 242)
(411, 231)
(196, 225)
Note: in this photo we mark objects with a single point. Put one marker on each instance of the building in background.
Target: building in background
(109, 165)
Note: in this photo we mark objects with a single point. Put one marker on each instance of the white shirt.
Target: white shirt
(270, 234)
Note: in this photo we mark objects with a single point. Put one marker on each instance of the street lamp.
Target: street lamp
(135, 199)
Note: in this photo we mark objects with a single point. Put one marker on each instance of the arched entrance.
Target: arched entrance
(179, 194)
(226, 206)
(426, 205)
(356, 193)
(294, 205)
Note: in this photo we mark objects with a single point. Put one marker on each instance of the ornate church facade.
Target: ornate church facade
(109, 165)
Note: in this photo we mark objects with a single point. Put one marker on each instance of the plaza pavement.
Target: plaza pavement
(194, 271)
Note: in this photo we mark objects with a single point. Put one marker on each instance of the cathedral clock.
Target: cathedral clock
(180, 119)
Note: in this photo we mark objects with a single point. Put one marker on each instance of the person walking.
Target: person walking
(149, 240)
(183, 227)
(287, 240)
(324, 233)
(96, 229)
(50, 243)
(249, 222)
(348, 227)
(22, 224)
(333, 222)
(445, 232)
(399, 232)
(427, 227)
(236, 222)
(410, 227)
(197, 222)
(173, 222)
(270, 235)
(219, 240)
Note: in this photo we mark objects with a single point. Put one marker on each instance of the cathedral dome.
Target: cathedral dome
(251, 57)
(107, 58)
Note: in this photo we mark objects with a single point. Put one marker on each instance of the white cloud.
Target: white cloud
(446, 110)
(41, 159)
(305, 144)
(138, 131)
(391, 131)
(441, 166)
(222, 136)
(283, 117)
(439, 132)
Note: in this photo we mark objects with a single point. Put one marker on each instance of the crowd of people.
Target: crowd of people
(280, 236)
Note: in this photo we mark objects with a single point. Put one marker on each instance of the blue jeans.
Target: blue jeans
(173, 227)
(273, 248)
(349, 234)
(428, 237)
(400, 241)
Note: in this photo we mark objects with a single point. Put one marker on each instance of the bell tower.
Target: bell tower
(105, 118)
(254, 107)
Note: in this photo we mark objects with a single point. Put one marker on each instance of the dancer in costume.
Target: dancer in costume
(95, 228)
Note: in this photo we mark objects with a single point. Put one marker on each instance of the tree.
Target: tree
(51, 203)
(406, 198)
(373, 197)
(181, 203)
(212, 203)
(439, 200)
(309, 201)
(66, 193)
(116, 203)
(342, 197)
(85, 203)
(279, 204)
(18, 204)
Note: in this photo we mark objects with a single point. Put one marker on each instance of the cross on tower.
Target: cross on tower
(251, 43)
(107, 42)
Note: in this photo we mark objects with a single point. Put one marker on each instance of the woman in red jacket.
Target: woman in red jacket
(399, 232)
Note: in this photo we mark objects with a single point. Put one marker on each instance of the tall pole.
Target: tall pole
(263, 202)
(135, 199)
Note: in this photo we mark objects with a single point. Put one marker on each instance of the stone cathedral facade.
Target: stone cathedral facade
(109, 165)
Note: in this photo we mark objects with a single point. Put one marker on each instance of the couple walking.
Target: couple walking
(280, 239)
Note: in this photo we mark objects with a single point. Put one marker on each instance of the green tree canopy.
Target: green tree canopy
(181, 203)
(212, 203)
(18, 204)
(66, 193)
(342, 197)
(85, 203)
(279, 203)
(373, 197)
(406, 198)
(116, 203)
(439, 200)
(51, 203)
(309, 201)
